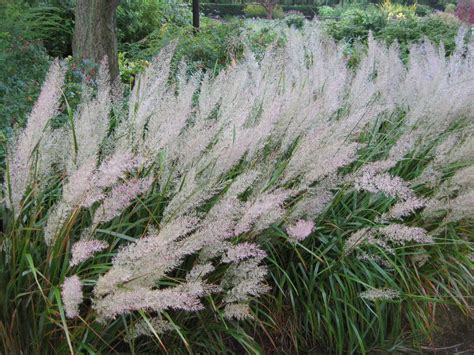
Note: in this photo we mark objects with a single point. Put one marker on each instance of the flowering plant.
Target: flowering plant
(194, 171)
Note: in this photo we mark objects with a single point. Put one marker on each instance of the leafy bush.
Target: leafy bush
(327, 12)
(223, 9)
(356, 24)
(450, 8)
(212, 48)
(394, 24)
(297, 21)
(257, 10)
(22, 69)
(277, 12)
(307, 10)
(149, 224)
(23, 66)
(437, 27)
(397, 11)
(129, 69)
(423, 10)
(137, 19)
(216, 45)
(46, 23)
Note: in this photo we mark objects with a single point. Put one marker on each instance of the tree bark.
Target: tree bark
(95, 34)
(196, 14)
(269, 13)
(269, 6)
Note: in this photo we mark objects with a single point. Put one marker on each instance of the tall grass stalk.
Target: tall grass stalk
(288, 204)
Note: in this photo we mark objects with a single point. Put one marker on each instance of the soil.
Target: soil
(455, 334)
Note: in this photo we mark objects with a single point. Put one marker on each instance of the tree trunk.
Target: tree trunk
(95, 33)
(196, 14)
(269, 12)
(269, 6)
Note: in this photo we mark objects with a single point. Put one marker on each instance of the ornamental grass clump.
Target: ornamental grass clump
(204, 208)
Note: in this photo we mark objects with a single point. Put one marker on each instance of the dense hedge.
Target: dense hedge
(223, 9)
(238, 9)
(435, 4)
(307, 10)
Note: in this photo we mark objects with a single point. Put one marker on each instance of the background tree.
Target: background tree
(95, 34)
(269, 6)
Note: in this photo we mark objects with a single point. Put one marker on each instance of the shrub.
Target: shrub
(223, 9)
(137, 19)
(356, 24)
(23, 65)
(423, 10)
(210, 49)
(465, 11)
(307, 10)
(277, 12)
(295, 20)
(129, 69)
(162, 214)
(216, 45)
(439, 28)
(22, 69)
(390, 26)
(326, 12)
(45, 23)
(257, 10)
(450, 8)
(397, 11)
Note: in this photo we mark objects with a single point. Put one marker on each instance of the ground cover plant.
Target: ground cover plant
(289, 203)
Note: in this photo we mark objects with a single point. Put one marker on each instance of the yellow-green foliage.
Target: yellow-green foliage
(257, 10)
(397, 11)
